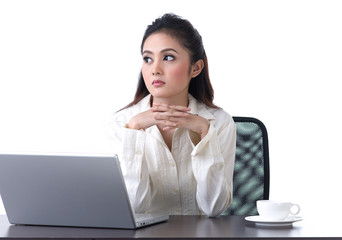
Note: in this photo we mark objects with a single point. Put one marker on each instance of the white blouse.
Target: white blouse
(194, 178)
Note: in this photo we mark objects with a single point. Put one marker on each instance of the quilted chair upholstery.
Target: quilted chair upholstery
(251, 172)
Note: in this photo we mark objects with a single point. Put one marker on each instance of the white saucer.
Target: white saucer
(273, 223)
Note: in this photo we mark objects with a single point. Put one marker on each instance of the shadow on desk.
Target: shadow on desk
(180, 227)
(220, 227)
(177, 227)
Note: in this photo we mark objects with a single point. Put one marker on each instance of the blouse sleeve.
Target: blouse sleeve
(213, 166)
(134, 167)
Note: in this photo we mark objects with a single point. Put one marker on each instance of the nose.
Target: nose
(156, 68)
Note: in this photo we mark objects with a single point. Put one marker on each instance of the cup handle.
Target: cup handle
(296, 207)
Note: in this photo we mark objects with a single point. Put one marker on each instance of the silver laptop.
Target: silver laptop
(79, 191)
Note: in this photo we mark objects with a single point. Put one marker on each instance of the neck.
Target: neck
(179, 101)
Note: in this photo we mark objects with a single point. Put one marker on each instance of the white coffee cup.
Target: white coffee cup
(276, 210)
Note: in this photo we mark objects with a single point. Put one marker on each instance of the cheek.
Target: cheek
(181, 72)
(144, 72)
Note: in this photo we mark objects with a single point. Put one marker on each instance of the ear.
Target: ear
(196, 68)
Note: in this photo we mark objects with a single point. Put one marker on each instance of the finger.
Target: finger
(163, 116)
(171, 116)
(160, 105)
(192, 114)
(164, 110)
(159, 108)
(168, 128)
(166, 124)
(166, 107)
(180, 108)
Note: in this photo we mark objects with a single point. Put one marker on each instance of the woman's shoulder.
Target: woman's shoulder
(220, 114)
(127, 113)
(211, 113)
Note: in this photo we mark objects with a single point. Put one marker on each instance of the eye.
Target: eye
(147, 59)
(169, 58)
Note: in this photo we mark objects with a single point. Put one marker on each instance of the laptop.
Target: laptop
(76, 191)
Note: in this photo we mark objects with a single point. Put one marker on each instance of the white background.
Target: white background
(66, 66)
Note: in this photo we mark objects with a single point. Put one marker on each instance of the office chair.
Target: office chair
(251, 171)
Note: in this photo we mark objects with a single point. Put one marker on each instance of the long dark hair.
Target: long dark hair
(200, 86)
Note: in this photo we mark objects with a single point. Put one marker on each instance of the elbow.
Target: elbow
(143, 202)
(216, 207)
(213, 212)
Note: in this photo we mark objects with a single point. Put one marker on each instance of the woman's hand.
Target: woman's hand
(168, 117)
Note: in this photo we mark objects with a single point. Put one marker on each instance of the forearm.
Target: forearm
(129, 145)
(136, 171)
(213, 165)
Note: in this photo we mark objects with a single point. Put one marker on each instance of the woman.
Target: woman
(177, 149)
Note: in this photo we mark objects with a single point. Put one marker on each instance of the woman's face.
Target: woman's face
(166, 67)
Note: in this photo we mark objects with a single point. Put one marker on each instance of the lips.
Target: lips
(158, 83)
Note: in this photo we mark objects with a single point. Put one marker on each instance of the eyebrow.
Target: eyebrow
(162, 51)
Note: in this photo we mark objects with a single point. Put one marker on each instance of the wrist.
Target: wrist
(132, 125)
(204, 130)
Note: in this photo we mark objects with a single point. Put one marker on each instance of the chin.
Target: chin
(160, 93)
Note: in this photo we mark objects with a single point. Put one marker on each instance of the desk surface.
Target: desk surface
(181, 227)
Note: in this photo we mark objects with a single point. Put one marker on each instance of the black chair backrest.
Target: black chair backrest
(251, 178)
